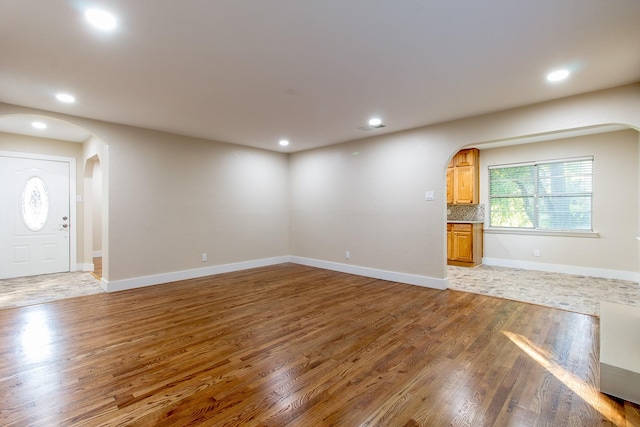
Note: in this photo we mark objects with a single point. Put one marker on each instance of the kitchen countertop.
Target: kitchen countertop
(464, 222)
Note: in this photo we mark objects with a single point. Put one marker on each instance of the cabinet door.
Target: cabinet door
(464, 189)
(450, 186)
(449, 242)
(466, 157)
(462, 246)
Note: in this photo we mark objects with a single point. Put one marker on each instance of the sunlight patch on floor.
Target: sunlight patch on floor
(600, 402)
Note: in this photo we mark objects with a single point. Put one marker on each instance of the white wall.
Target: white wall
(171, 198)
(614, 253)
(367, 197)
(373, 204)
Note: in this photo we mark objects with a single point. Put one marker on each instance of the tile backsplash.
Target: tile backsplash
(465, 212)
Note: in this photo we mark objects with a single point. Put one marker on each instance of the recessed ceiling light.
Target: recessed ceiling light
(284, 142)
(39, 125)
(100, 19)
(375, 122)
(557, 75)
(65, 97)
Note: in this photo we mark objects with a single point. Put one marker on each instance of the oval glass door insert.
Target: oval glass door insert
(35, 204)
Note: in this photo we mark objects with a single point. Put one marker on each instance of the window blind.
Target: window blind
(550, 195)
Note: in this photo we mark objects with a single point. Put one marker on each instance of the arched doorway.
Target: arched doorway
(93, 223)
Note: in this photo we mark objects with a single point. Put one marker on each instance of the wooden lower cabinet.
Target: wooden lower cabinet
(464, 244)
(449, 242)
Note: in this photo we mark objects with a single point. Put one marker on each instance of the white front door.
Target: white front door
(34, 216)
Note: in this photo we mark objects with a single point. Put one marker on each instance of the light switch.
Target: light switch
(429, 196)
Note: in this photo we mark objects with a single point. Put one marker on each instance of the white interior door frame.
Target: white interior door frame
(73, 219)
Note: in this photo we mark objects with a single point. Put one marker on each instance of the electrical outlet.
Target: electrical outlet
(204, 257)
(429, 196)
(536, 252)
(347, 255)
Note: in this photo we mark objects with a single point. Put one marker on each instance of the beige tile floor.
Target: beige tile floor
(31, 290)
(574, 293)
(580, 294)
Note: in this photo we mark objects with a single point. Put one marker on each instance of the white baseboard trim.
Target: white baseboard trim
(156, 279)
(411, 279)
(87, 267)
(97, 254)
(566, 269)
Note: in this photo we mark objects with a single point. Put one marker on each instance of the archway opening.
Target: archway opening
(93, 215)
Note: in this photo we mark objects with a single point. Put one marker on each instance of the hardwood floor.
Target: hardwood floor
(294, 345)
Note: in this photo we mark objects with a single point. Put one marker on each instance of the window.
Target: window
(552, 195)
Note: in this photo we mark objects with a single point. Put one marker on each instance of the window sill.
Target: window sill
(588, 234)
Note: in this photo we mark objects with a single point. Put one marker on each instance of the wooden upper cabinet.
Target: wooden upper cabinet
(450, 186)
(465, 187)
(463, 178)
(467, 157)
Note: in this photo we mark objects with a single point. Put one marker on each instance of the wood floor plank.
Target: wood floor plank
(294, 345)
